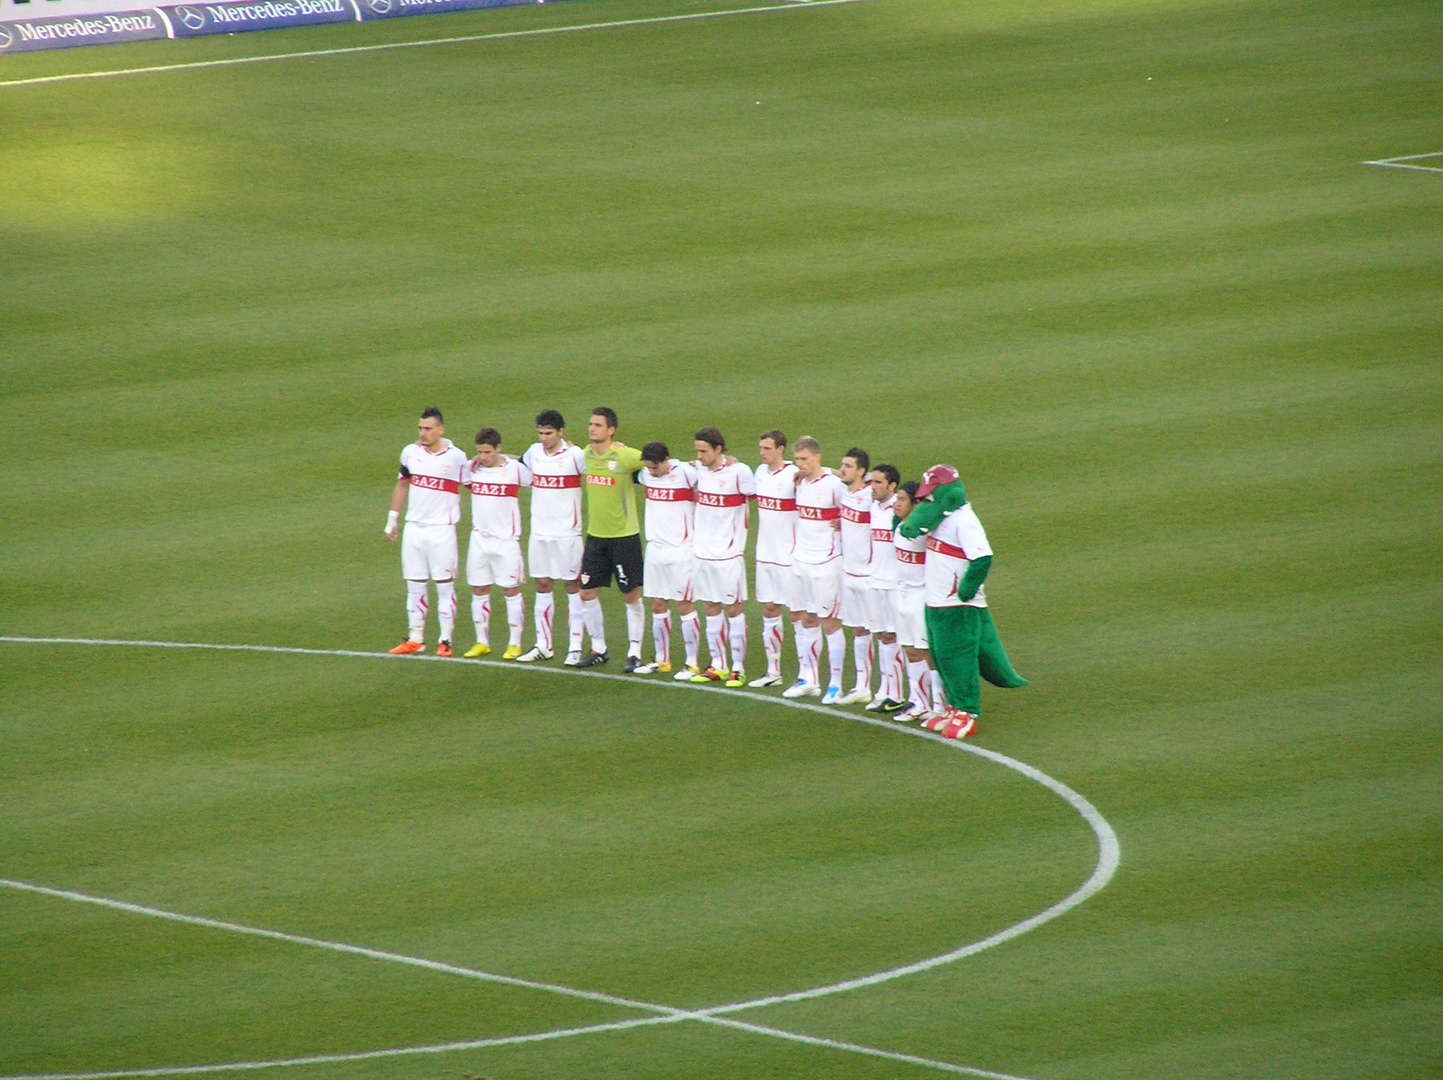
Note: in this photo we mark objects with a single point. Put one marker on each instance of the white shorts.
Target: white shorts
(856, 601)
(554, 557)
(721, 581)
(668, 572)
(819, 588)
(775, 584)
(493, 561)
(912, 617)
(882, 618)
(428, 552)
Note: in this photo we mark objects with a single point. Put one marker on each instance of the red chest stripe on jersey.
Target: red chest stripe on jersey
(600, 481)
(944, 548)
(436, 483)
(881, 536)
(818, 513)
(767, 502)
(662, 494)
(501, 491)
(553, 482)
(855, 516)
(709, 498)
(914, 558)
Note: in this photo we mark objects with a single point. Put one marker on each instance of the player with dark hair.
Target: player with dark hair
(883, 585)
(428, 488)
(723, 488)
(670, 488)
(613, 537)
(494, 555)
(926, 701)
(554, 548)
(856, 531)
(776, 480)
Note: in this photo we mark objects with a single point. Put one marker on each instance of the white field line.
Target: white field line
(869, 1051)
(364, 1055)
(1401, 162)
(1109, 854)
(380, 47)
(337, 946)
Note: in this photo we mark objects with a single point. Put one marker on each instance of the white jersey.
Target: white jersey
(911, 561)
(555, 489)
(495, 508)
(434, 497)
(670, 505)
(776, 513)
(819, 506)
(883, 571)
(721, 510)
(951, 547)
(856, 515)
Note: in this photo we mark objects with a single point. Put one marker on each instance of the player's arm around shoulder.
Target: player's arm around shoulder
(629, 458)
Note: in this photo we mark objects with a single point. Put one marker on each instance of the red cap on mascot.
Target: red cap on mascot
(934, 478)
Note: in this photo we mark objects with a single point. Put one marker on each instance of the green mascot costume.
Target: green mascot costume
(961, 636)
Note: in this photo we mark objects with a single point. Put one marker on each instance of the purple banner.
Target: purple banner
(394, 9)
(66, 31)
(194, 20)
(232, 16)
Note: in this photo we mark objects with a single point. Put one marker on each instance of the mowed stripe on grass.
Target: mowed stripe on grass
(1121, 265)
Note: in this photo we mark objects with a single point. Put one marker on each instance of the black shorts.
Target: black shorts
(608, 555)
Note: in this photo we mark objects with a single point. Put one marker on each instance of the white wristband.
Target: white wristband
(391, 518)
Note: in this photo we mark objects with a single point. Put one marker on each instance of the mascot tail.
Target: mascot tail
(992, 662)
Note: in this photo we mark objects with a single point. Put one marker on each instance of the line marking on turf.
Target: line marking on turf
(788, 5)
(364, 1055)
(1109, 856)
(1401, 162)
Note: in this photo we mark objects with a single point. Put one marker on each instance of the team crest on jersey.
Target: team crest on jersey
(611, 465)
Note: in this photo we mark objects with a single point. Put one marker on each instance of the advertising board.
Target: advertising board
(63, 24)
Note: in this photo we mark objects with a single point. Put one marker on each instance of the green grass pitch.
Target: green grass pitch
(1118, 260)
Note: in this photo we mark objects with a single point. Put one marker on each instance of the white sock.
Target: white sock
(862, 658)
(543, 616)
(595, 621)
(772, 643)
(737, 624)
(939, 696)
(575, 620)
(813, 662)
(446, 607)
(691, 636)
(661, 637)
(635, 627)
(416, 609)
(545, 609)
(716, 641)
(917, 675)
(800, 639)
(836, 656)
(515, 618)
(481, 616)
(887, 661)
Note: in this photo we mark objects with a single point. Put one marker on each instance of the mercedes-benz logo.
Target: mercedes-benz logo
(6, 37)
(380, 7)
(193, 18)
